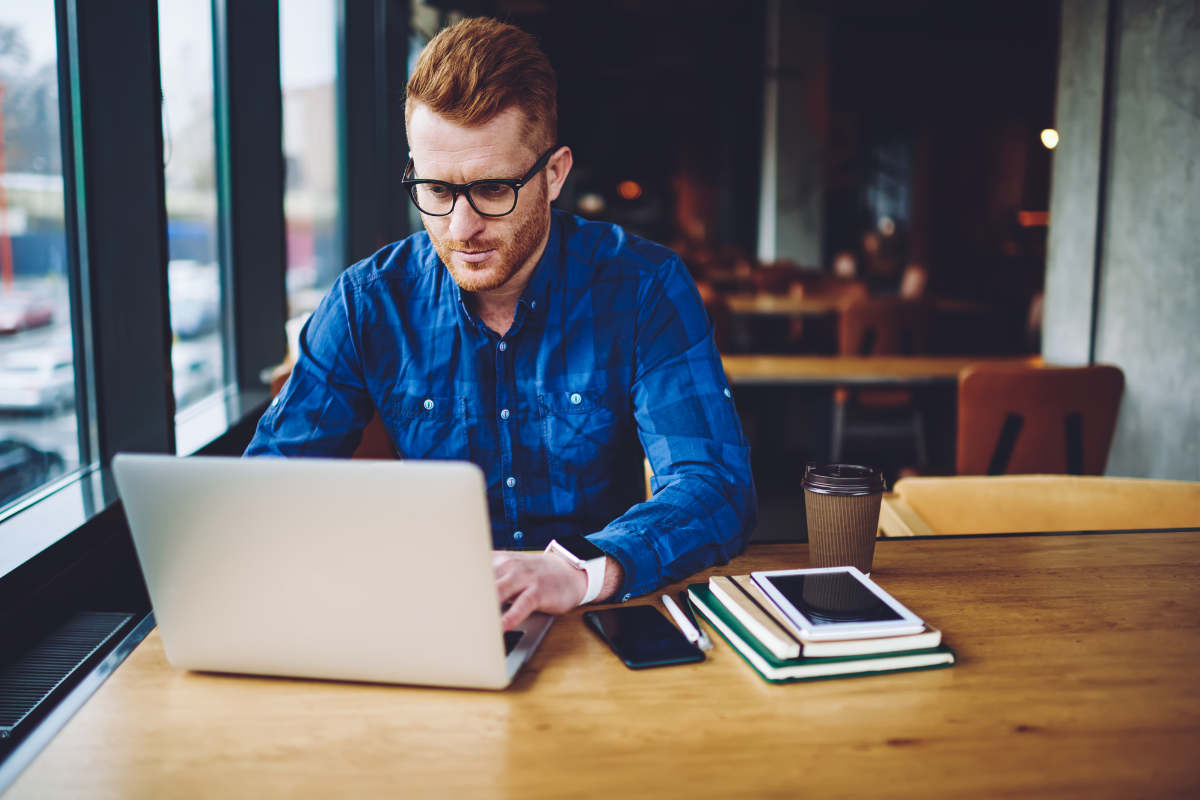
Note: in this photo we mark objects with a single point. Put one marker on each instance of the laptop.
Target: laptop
(351, 570)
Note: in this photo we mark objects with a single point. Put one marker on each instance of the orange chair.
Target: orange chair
(1023, 503)
(880, 326)
(1022, 420)
(376, 443)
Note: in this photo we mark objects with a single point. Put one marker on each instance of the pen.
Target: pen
(690, 631)
(705, 643)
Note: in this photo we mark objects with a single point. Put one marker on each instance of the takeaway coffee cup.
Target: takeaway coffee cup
(841, 502)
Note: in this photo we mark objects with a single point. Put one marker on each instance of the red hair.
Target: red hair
(479, 67)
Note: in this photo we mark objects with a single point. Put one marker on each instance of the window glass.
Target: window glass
(38, 426)
(308, 73)
(189, 153)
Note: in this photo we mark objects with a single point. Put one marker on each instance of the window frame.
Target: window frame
(72, 533)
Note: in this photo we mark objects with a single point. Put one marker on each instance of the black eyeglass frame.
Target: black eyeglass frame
(457, 189)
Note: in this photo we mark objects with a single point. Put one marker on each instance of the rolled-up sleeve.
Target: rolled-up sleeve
(704, 505)
(324, 405)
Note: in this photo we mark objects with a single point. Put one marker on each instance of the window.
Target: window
(82, 231)
(308, 72)
(39, 431)
(189, 153)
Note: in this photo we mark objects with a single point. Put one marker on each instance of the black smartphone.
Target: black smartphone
(642, 637)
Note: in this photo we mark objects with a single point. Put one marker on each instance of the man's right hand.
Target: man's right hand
(536, 582)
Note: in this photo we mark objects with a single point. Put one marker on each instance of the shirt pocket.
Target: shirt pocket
(430, 426)
(579, 431)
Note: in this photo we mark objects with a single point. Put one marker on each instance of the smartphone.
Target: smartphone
(642, 637)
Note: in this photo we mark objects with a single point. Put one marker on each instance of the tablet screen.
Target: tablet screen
(832, 598)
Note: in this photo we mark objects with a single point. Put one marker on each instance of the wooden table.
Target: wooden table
(1078, 676)
(855, 370)
(780, 306)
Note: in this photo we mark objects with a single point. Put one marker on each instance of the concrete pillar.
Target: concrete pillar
(1123, 269)
(795, 132)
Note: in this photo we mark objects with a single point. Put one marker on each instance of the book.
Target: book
(778, 670)
(743, 597)
(761, 625)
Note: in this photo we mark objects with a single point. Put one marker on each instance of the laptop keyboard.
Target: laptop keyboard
(511, 638)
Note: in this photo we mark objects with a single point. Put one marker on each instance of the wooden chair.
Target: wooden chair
(1023, 420)
(1023, 503)
(777, 278)
(821, 286)
(375, 443)
(880, 326)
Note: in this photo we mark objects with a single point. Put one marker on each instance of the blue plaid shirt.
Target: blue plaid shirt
(610, 345)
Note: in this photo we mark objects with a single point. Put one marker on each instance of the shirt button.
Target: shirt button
(511, 482)
(576, 399)
(503, 346)
(728, 393)
(625, 599)
(504, 413)
(533, 304)
(518, 536)
(428, 405)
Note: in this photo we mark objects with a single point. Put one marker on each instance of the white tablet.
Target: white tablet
(836, 603)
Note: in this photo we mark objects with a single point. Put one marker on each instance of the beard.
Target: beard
(512, 251)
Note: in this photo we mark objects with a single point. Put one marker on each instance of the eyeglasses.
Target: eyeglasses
(490, 197)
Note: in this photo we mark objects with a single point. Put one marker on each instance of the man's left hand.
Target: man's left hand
(543, 582)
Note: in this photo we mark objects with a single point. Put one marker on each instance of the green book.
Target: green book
(785, 670)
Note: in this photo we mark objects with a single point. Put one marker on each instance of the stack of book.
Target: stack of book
(769, 642)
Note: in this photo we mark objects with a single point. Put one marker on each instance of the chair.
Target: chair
(1029, 419)
(376, 443)
(880, 326)
(1022, 503)
(820, 286)
(777, 278)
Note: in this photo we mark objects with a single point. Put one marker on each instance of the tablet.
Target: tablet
(834, 603)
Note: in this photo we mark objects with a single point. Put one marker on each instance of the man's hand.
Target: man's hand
(544, 582)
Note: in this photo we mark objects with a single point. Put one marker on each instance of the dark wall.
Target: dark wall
(652, 90)
(946, 100)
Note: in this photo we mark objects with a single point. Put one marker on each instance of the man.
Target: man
(534, 343)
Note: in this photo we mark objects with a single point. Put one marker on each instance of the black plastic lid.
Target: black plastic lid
(844, 479)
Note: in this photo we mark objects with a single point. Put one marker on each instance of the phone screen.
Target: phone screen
(832, 598)
(642, 637)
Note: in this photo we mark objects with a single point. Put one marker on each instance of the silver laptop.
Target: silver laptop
(319, 568)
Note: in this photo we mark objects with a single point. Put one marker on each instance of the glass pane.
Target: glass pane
(38, 427)
(308, 72)
(189, 151)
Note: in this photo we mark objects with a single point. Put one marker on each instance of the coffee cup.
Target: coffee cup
(841, 502)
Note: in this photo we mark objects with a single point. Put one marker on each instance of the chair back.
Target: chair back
(1022, 503)
(777, 278)
(1018, 419)
(883, 326)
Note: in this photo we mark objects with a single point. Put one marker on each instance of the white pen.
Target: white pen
(690, 631)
